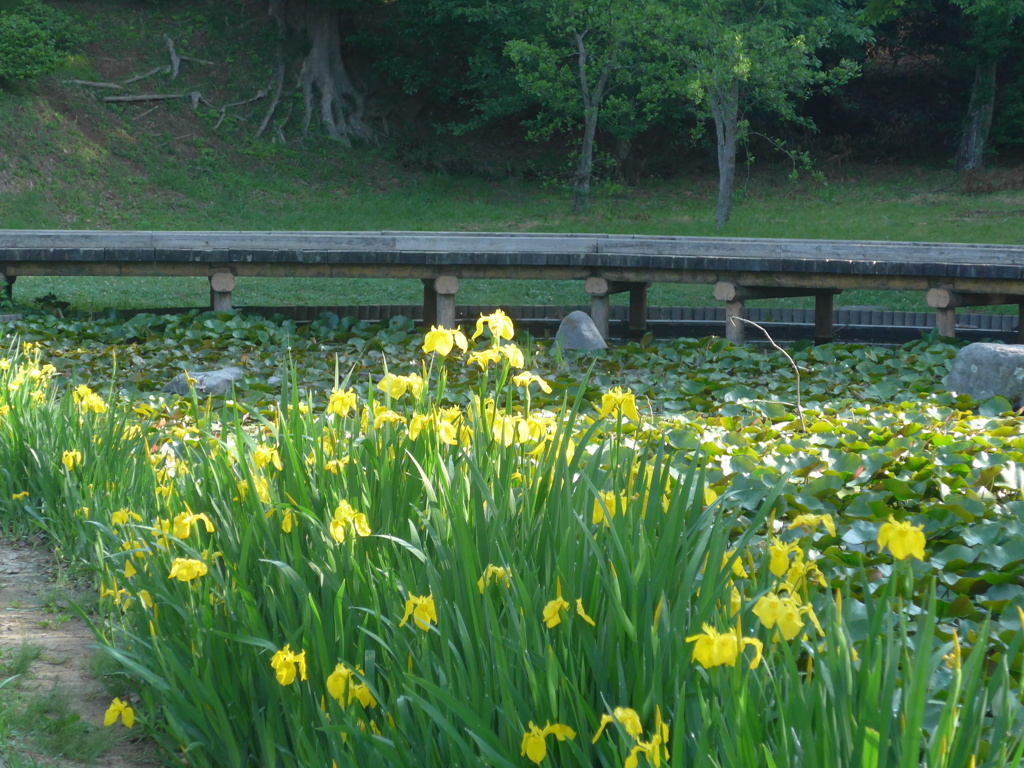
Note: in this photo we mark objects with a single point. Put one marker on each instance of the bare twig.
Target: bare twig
(792, 362)
(143, 114)
(93, 84)
(165, 69)
(260, 94)
(176, 138)
(197, 61)
(175, 59)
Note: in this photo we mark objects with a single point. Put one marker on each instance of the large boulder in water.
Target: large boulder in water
(577, 331)
(210, 383)
(986, 370)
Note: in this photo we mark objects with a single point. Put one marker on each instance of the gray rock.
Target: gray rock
(577, 331)
(209, 383)
(986, 370)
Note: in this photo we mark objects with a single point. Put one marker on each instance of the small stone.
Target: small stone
(577, 331)
(210, 383)
(985, 370)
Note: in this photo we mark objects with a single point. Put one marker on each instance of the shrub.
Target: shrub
(34, 40)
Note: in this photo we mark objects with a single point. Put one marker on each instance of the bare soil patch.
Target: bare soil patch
(30, 613)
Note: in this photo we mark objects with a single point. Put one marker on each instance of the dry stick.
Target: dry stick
(792, 362)
(93, 84)
(143, 114)
(148, 97)
(175, 59)
(197, 61)
(260, 94)
(165, 68)
(176, 138)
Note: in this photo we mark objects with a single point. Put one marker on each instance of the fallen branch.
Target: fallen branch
(93, 84)
(143, 114)
(792, 362)
(175, 59)
(260, 94)
(278, 87)
(197, 61)
(165, 69)
(176, 138)
(149, 97)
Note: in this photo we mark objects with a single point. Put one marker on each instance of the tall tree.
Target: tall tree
(589, 49)
(995, 31)
(323, 78)
(990, 32)
(730, 56)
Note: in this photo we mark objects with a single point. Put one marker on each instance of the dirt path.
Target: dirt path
(31, 612)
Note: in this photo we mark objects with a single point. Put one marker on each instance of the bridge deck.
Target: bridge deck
(740, 268)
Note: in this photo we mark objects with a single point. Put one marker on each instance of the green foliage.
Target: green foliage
(710, 477)
(34, 40)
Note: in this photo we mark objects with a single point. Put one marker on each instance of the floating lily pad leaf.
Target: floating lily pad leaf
(961, 607)
(860, 531)
(901, 489)
(985, 535)
(684, 439)
(882, 390)
(998, 596)
(995, 407)
(1012, 476)
(1002, 556)
(956, 557)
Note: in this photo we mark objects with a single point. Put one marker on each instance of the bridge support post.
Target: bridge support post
(9, 287)
(600, 290)
(824, 306)
(945, 301)
(439, 301)
(221, 286)
(735, 297)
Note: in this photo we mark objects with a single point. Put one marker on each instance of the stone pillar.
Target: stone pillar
(732, 295)
(9, 287)
(600, 305)
(445, 288)
(221, 286)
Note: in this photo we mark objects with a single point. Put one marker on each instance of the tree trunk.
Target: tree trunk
(971, 155)
(591, 109)
(725, 103)
(324, 76)
(581, 182)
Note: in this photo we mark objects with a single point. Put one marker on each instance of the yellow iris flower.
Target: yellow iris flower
(443, 340)
(71, 459)
(535, 745)
(498, 323)
(343, 686)
(813, 521)
(715, 649)
(118, 709)
(422, 611)
(185, 569)
(552, 613)
(346, 517)
(492, 575)
(903, 539)
(525, 379)
(342, 403)
(285, 663)
(619, 403)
